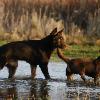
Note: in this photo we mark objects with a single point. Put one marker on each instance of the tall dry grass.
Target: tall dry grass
(28, 19)
(25, 19)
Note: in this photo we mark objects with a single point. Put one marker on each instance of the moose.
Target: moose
(89, 67)
(34, 52)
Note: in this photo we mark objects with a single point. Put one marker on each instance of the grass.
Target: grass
(2, 42)
(79, 51)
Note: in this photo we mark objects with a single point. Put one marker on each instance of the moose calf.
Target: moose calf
(89, 67)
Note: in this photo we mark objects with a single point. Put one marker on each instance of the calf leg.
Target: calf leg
(97, 76)
(44, 69)
(69, 77)
(82, 74)
(83, 77)
(12, 66)
(96, 79)
(69, 74)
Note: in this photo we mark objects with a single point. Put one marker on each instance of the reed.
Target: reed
(25, 19)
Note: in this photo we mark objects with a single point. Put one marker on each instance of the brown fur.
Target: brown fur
(89, 67)
(35, 52)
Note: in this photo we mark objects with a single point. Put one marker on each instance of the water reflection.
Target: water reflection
(39, 90)
(30, 89)
(24, 88)
(7, 91)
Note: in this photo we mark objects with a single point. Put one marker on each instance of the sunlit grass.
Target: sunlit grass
(79, 51)
(2, 42)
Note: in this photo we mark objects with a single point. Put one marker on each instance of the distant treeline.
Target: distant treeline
(33, 18)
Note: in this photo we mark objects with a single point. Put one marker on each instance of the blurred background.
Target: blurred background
(34, 19)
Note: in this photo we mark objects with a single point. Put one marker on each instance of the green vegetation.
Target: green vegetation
(2, 42)
(79, 51)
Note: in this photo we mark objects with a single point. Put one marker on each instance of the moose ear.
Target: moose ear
(60, 31)
(54, 31)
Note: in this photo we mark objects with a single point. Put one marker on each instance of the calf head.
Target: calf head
(58, 39)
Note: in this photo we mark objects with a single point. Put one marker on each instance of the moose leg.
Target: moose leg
(83, 77)
(44, 69)
(82, 74)
(69, 77)
(12, 71)
(69, 74)
(2, 62)
(12, 66)
(33, 71)
(96, 79)
(97, 75)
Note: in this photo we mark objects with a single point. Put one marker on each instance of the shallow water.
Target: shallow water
(23, 88)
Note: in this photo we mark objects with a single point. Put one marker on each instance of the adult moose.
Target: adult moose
(35, 52)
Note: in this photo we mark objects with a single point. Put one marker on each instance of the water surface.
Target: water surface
(24, 88)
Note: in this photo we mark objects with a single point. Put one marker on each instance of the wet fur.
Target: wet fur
(89, 67)
(35, 52)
